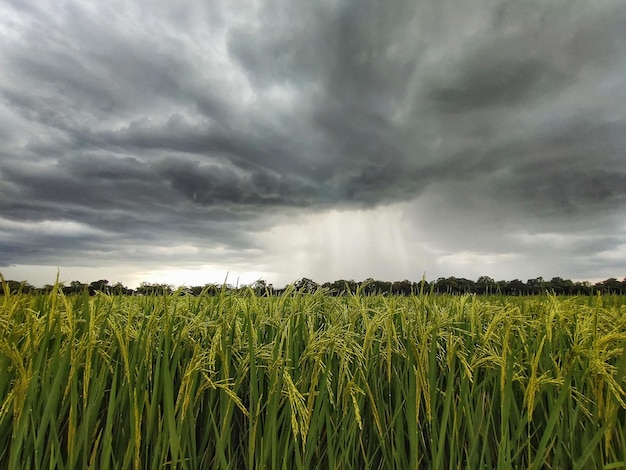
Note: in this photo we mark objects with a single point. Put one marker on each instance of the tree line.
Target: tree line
(484, 285)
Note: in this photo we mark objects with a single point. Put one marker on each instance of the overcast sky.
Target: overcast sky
(174, 142)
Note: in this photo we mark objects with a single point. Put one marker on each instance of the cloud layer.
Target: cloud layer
(490, 124)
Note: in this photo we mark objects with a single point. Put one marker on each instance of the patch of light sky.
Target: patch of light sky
(54, 228)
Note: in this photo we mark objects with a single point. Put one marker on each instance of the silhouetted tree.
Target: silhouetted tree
(445, 285)
(75, 287)
(370, 286)
(99, 286)
(535, 286)
(154, 289)
(485, 285)
(120, 289)
(306, 285)
(421, 287)
(465, 286)
(515, 287)
(610, 286)
(401, 287)
(15, 287)
(560, 286)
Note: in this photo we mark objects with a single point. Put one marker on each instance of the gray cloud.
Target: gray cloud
(216, 185)
(203, 126)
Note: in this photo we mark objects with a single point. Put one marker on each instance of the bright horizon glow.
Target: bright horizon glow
(39, 276)
(197, 277)
(382, 243)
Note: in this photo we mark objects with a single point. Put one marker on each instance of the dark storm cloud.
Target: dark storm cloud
(90, 182)
(214, 184)
(209, 123)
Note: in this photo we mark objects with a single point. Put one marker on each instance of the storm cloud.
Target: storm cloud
(161, 135)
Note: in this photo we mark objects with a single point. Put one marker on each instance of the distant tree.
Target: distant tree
(306, 285)
(583, 288)
(340, 287)
(447, 285)
(154, 289)
(259, 284)
(401, 287)
(99, 286)
(120, 289)
(421, 287)
(383, 287)
(333, 288)
(369, 286)
(15, 287)
(441, 285)
(374, 287)
(465, 286)
(536, 286)
(568, 287)
(208, 289)
(196, 290)
(515, 287)
(261, 288)
(485, 285)
(561, 286)
(47, 288)
(610, 286)
(214, 289)
(75, 287)
(501, 286)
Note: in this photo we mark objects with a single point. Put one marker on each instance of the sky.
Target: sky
(194, 141)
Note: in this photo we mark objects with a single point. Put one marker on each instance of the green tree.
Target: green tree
(99, 286)
(75, 287)
(16, 286)
(306, 285)
(515, 287)
(154, 289)
(536, 286)
(486, 285)
(401, 287)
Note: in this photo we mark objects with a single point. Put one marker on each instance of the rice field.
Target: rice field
(305, 381)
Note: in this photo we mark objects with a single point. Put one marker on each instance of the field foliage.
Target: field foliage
(307, 381)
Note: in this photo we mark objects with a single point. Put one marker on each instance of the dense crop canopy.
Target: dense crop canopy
(312, 381)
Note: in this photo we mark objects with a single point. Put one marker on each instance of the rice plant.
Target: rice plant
(303, 381)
